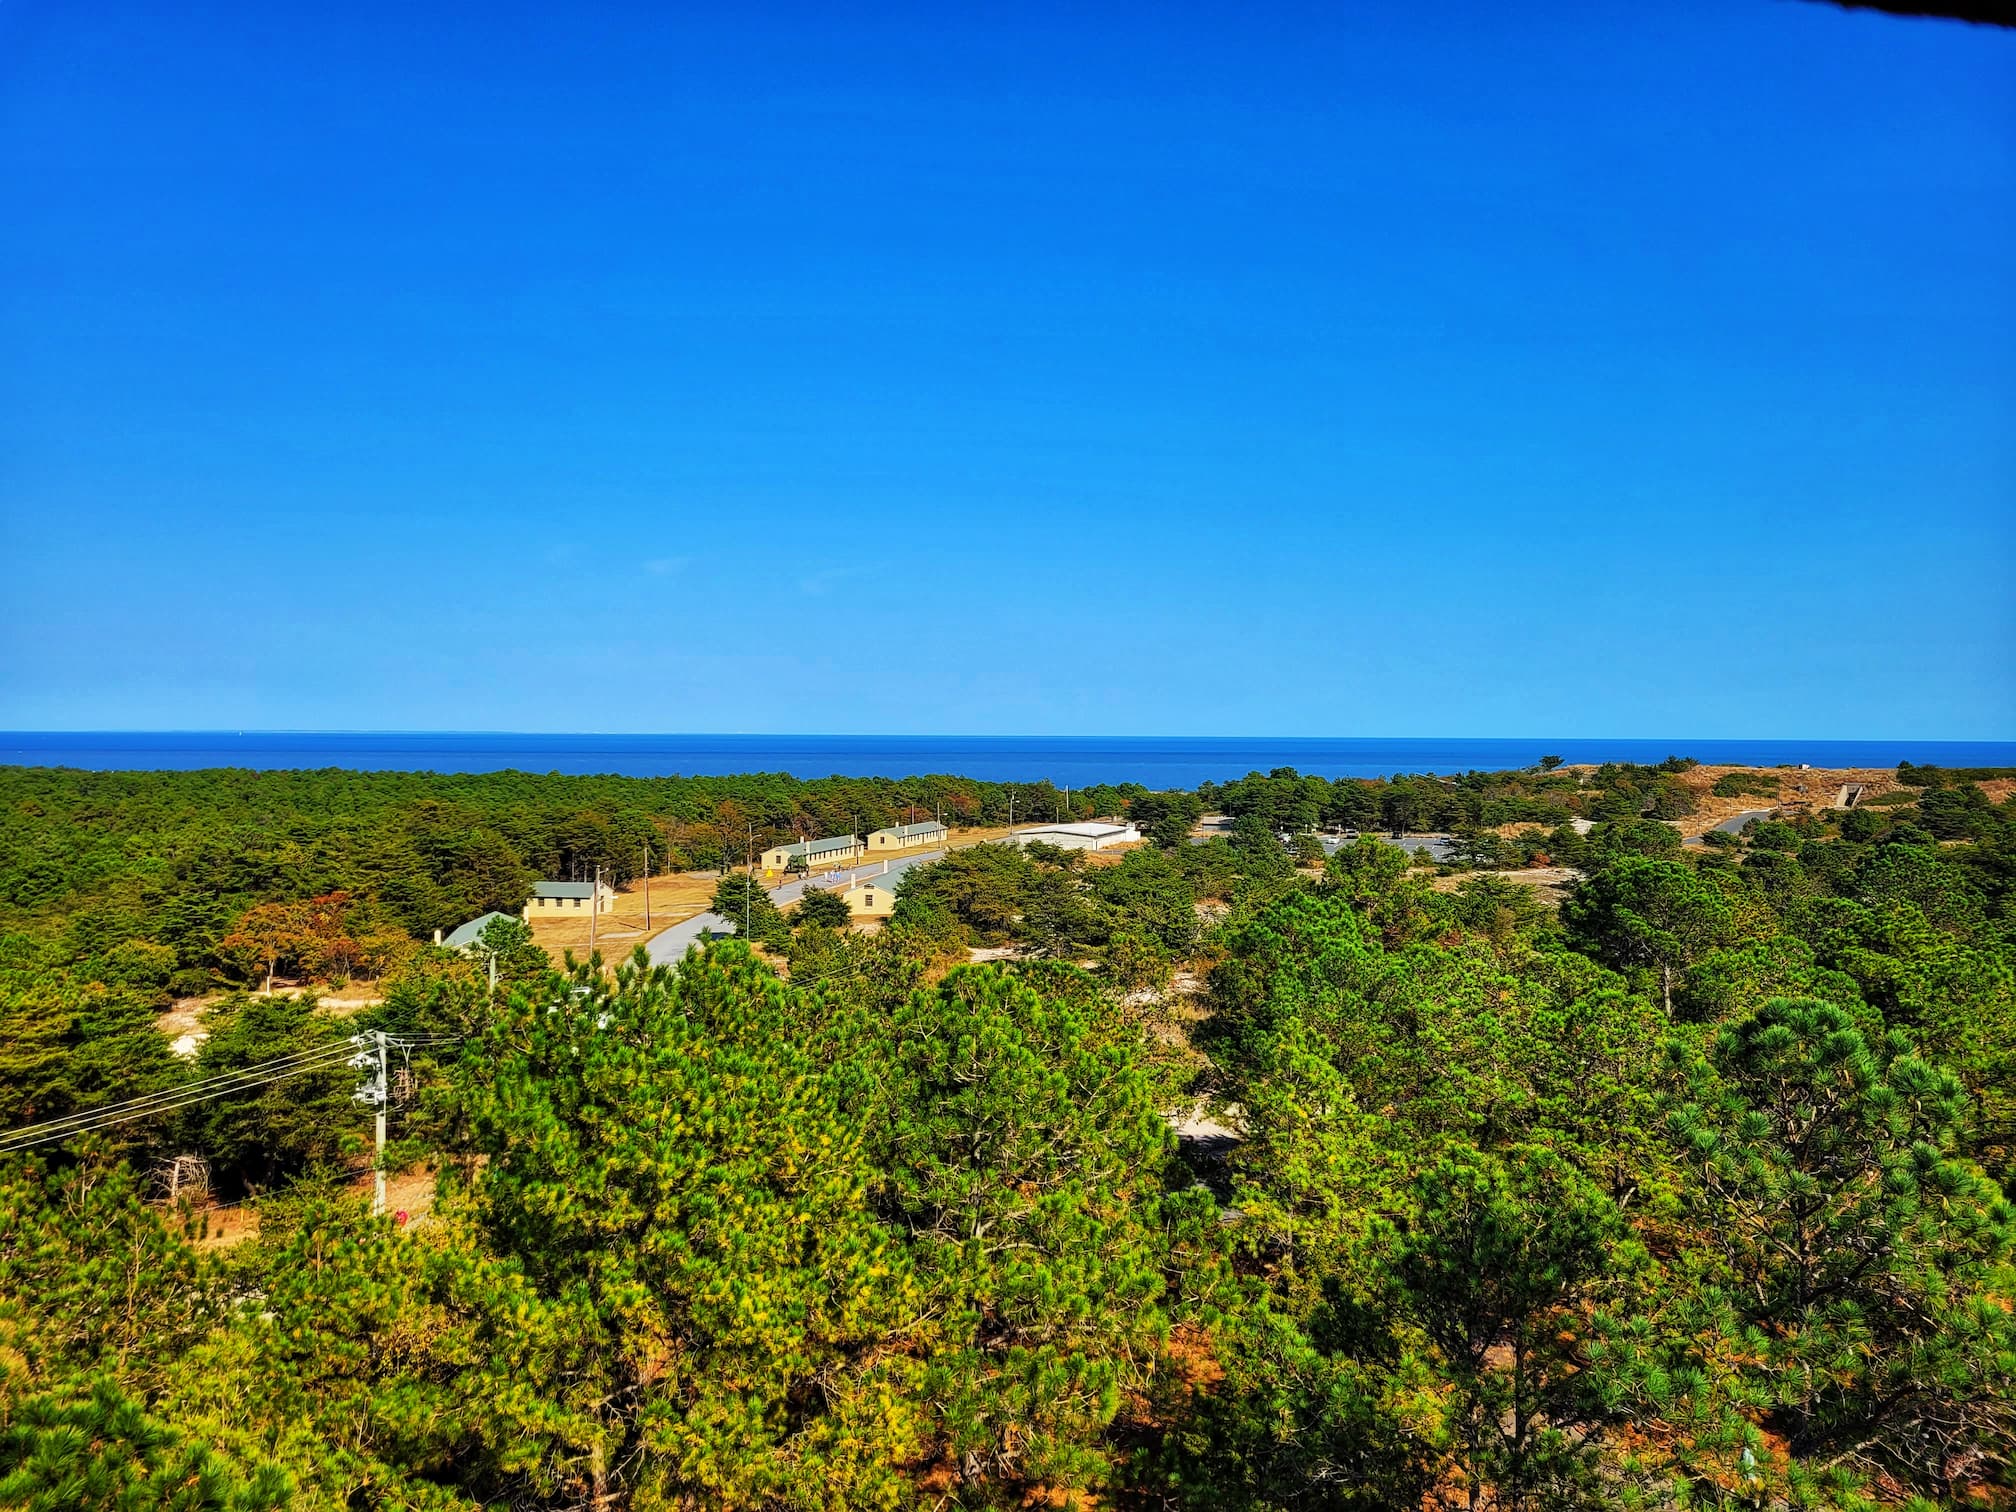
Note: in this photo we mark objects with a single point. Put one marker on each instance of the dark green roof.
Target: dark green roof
(463, 935)
(818, 847)
(905, 831)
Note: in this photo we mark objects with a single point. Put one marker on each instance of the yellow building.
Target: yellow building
(904, 837)
(569, 900)
(834, 850)
(870, 897)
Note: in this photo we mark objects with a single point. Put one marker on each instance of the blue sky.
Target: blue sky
(1289, 369)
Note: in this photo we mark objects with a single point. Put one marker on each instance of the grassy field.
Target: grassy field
(1815, 789)
(674, 896)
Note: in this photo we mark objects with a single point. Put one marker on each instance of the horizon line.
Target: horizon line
(249, 731)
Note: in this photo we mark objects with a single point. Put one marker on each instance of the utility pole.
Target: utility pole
(749, 856)
(384, 1090)
(647, 884)
(594, 908)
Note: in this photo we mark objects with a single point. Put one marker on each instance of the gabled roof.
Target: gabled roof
(818, 847)
(905, 831)
(563, 889)
(470, 933)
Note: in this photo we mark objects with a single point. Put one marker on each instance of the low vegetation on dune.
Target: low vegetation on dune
(1688, 1190)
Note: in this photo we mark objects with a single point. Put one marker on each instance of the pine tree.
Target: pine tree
(1858, 1252)
(1016, 1140)
(679, 1186)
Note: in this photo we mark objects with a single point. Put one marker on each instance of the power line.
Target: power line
(304, 1060)
(341, 1052)
(18, 1141)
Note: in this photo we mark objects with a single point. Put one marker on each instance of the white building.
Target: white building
(1090, 835)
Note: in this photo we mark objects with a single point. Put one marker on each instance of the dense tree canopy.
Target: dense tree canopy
(1690, 1191)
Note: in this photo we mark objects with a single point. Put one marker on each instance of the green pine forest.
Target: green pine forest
(1685, 1184)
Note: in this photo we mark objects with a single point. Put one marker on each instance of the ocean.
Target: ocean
(1067, 760)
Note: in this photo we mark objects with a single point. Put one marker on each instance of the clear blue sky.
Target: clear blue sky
(1636, 370)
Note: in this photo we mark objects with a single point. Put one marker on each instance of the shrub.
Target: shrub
(1745, 785)
(819, 906)
(1771, 834)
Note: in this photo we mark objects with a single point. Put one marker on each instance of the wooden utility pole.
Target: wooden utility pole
(594, 908)
(647, 885)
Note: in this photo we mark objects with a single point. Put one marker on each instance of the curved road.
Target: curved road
(1734, 825)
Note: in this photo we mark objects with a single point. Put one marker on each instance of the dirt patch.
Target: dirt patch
(1549, 882)
(408, 1192)
(1526, 826)
(348, 1003)
(221, 1227)
(1113, 855)
(182, 1025)
(211, 1228)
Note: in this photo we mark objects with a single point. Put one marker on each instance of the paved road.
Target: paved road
(894, 868)
(1734, 826)
(667, 948)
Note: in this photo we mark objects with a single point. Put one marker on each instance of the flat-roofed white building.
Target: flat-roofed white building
(569, 899)
(1088, 835)
(833, 850)
(901, 837)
